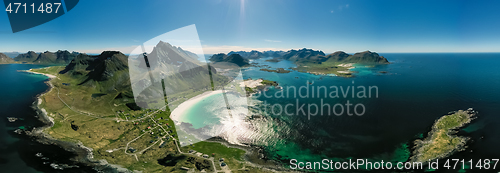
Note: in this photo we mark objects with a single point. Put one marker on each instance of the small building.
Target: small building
(132, 150)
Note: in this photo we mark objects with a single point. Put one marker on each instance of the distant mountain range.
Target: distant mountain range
(309, 56)
(256, 54)
(11, 54)
(59, 57)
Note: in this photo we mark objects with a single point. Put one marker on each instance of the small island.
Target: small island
(441, 141)
(273, 60)
(278, 70)
(254, 86)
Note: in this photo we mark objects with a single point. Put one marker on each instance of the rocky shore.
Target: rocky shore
(82, 155)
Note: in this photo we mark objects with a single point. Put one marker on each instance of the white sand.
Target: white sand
(48, 75)
(346, 65)
(251, 83)
(344, 72)
(176, 115)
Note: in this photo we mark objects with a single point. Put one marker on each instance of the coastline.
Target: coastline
(178, 112)
(83, 154)
(32, 72)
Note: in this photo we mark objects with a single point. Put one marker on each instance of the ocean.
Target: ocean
(413, 91)
(18, 153)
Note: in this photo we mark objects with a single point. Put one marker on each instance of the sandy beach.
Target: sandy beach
(48, 75)
(176, 115)
(251, 83)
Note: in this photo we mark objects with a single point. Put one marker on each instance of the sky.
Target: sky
(225, 25)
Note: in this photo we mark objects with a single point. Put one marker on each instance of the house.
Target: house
(131, 150)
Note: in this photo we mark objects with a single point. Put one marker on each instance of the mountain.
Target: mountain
(337, 56)
(366, 57)
(105, 72)
(307, 55)
(59, 57)
(169, 70)
(234, 59)
(304, 56)
(248, 55)
(4, 59)
(26, 57)
(256, 54)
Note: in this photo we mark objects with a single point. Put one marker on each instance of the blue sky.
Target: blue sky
(223, 25)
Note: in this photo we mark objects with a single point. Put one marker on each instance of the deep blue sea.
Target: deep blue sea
(417, 89)
(18, 153)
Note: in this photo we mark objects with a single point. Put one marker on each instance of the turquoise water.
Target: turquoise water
(202, 114)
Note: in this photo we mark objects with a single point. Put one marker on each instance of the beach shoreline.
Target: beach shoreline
(179, 111)
(32, 72)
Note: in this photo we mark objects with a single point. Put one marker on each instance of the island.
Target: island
(338, 63)
(278, 70)
(274, 60)
(257, 85)
(442, 141)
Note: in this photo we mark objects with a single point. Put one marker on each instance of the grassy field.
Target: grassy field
(110, 128)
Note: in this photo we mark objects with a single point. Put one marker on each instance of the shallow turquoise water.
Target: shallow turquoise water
(202, 114)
